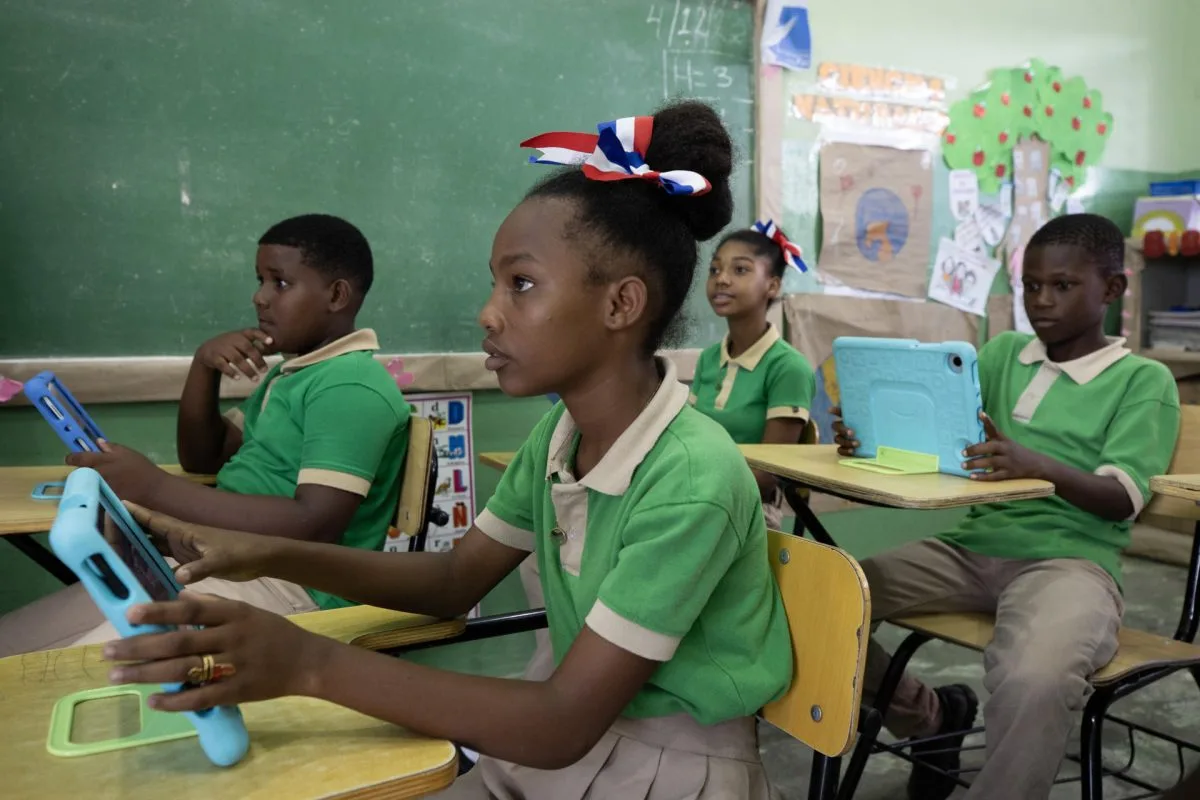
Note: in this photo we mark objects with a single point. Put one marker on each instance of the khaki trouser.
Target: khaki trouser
(1056, 624)
(69, 618)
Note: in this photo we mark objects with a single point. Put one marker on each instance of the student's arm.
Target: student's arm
(547, 725)
(1138, 445)
(347, 429)
(790, 389)
(641, 614)
(205, 440)
(438, 584)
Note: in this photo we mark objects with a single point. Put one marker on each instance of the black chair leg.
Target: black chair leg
(868, 732)
(1091, 764)
(870, 723)
(1195, 675)
(823, 783)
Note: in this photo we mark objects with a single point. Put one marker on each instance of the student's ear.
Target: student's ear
(625, 303)
(774, 288)
(1114, 287)
(341, 295)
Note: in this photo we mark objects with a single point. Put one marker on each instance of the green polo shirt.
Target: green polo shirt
(771, 380)
(333, 417)
(675, 565)
(1110, 413)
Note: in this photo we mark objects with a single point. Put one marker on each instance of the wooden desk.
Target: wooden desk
(299, 747)
(1185, 487)
(378, 628)
(817, 467)
(21, 515)
(498, 461)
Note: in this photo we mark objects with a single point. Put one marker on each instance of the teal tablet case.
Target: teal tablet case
(913, 407)
(77, 539)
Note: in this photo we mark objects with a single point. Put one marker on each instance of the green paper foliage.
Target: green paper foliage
(1033, 100)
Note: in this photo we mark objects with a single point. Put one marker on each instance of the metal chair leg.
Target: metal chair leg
(823, 782)
(868, 732)
(1091, 764)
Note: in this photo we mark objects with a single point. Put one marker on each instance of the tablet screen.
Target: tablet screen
(148, 573)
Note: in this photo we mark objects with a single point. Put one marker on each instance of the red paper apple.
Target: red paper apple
(977, 159)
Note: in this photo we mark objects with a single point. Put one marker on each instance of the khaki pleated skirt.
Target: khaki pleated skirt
(664, 758)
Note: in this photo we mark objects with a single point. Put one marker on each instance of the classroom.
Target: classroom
(305, 423)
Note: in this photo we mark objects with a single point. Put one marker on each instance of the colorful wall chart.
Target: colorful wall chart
(454, 492)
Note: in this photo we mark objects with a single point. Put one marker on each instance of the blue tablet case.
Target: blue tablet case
(117, 582)
(64, 413)
(913, 407)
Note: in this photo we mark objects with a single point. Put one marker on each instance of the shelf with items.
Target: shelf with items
(1157, 287)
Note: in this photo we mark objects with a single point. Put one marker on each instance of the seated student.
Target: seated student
(1075, 408)
(314, 453)
(669, 632)
(753, 382)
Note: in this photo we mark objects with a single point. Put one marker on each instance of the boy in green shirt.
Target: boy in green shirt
(1076, 409)
(315, 453)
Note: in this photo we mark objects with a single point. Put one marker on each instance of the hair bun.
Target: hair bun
(690, 135)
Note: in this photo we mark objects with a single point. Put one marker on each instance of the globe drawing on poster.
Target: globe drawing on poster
(454, 492)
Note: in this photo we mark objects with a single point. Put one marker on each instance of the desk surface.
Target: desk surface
(496, 460)
(300, 747)
(1186, 487)
(20, 513)
(817, 466)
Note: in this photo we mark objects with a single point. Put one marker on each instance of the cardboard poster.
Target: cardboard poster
(454, 492)
(962, 278)
(876, 207)
(815, 320)
(1031, 179)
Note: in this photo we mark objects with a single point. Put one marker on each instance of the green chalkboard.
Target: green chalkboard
(145, 145)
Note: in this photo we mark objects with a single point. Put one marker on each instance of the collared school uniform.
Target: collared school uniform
(770, 380)
(333, 417)
(660, 549)
(1048, 569)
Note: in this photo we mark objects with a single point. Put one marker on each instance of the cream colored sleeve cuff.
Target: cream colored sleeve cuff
(505, 534)
(629, 635)
(334, 480)
(1127, 483)
(236, 418)
(787, 412)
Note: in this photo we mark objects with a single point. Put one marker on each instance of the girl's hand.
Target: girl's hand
(206, 552)
(1002, 457)
(843, 437)
(258, 655)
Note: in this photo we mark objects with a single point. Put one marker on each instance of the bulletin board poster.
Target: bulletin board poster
(454, 449)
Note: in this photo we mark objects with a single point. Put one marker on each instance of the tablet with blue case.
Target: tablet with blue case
(120, 568)
(902, 395)
(64, 413)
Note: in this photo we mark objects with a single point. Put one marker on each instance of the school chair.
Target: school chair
(415, 509)
(1142, 658)
(828, 609)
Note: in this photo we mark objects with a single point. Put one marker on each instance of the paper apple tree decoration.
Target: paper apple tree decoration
(1034, 100)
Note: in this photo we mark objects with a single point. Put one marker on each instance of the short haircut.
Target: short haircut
(328, 244)
(1095, 235)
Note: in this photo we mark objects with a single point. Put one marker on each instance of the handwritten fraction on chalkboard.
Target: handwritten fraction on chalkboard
(688, 30)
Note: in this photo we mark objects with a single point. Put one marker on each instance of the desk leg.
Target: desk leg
(41, 556)
(812, 525)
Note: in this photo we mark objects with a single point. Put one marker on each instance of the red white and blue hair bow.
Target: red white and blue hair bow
(617, 153)
(791, 252)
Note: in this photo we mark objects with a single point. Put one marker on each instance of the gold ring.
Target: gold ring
(202, 673)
